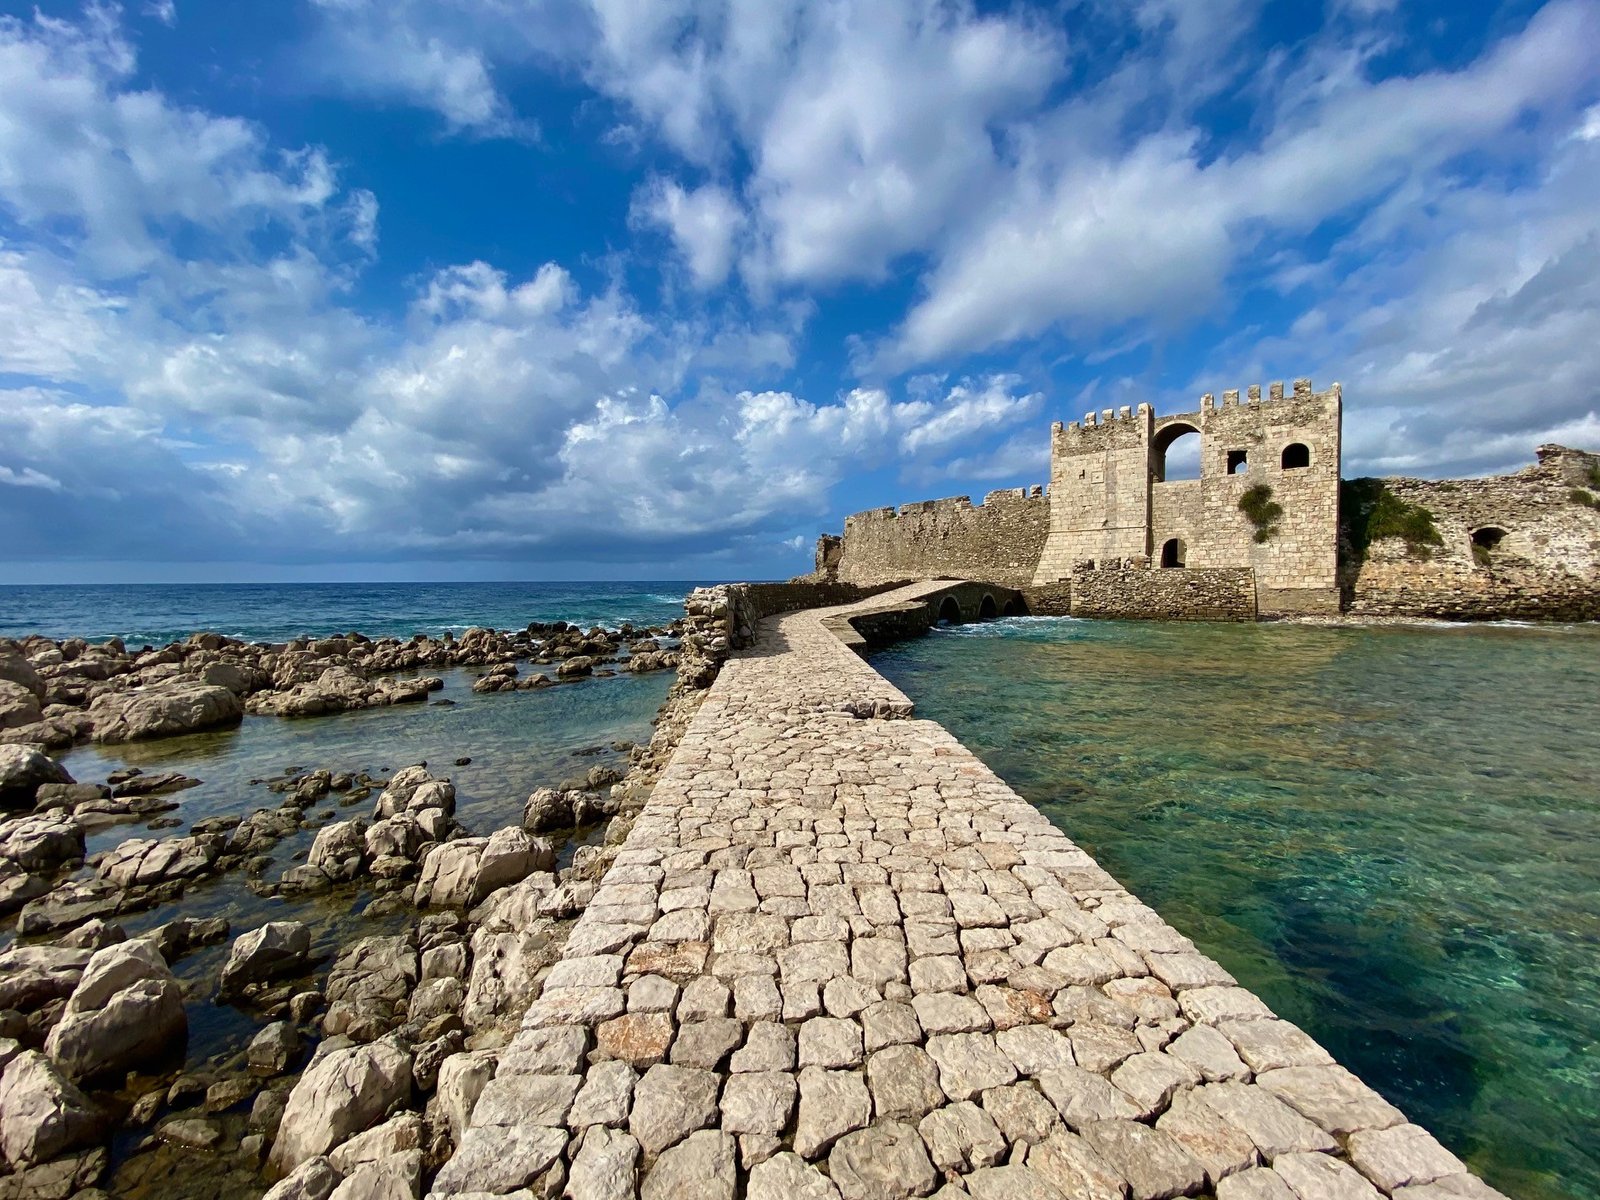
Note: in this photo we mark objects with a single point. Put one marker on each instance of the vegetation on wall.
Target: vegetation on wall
(1261, 510)
(1587, 499)
(1373, 512)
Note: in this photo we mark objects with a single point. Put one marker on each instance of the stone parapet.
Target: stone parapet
(839, 958)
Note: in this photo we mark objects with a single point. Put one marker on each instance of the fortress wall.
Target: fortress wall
(1193, 594)
(1099, 490)
(1546, 565)
(1302, 555)
(998, 541)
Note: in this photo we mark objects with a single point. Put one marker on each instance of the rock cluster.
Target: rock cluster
(53, 693)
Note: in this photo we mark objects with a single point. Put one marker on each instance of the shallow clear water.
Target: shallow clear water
(275, 612)
(518, 741)
(1390, 834)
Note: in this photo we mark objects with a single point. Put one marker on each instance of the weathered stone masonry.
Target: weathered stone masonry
(999, 540)
(838, 958)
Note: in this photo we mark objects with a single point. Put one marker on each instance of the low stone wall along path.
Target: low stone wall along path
(838, 957)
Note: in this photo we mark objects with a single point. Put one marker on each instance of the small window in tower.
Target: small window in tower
(1238, 462)
(1296, 455)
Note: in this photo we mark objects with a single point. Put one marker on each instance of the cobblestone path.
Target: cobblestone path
(839, 958)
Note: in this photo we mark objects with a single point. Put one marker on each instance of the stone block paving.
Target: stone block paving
(839, 959)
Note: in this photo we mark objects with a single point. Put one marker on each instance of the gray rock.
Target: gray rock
(787, 1176)
(273, 1049)
(605, 1166)
(701, 1167)
(1154, 1164)
(904, 1082)
(275, 951)
(498, 1161)
(758, 1102)
(342, 1093)
(126, 1011)
(163, 710)
(1324, 1177)
(1271, 1124)
(607, 1095)
(461, 1081)
(338, 849)
(398, 1177)
(671, 1102)
(23, 768)
(969, 1063)
(769, 1046)
(830, 1042)
(42, 1115)
(313, 1179)
(145, 861)
(41, 843)
(1400, 1156)
(1010, 1183)
(370, 986)
(832, 1104)
(33, 976)
(962, 1137)
(1083, 1098)
(884, 1162)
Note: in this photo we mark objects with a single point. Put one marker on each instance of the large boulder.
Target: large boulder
(33, 976)
(42, 1115)
(18, 706)
(505, 968)
(126, 1011)
(461, 873)
(144, 861)
(15, 668)
(23, 768)
(338, 848)
(164, 710)
(277, 950)
(341, 1094)
(547, 809)
(41, 843)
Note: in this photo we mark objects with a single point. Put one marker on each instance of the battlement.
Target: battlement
(1103, 418)
(953, 505)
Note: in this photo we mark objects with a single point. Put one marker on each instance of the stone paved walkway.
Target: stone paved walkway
(840, 958)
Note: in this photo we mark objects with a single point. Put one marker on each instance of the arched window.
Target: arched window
(1296, 455)
(950, 611)
(1176, 454)
(1174, 553)
(1484, 543)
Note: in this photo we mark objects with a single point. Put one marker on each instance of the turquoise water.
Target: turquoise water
(1390, 834)
(161, 613)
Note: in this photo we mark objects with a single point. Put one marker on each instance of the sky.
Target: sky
(596, 289)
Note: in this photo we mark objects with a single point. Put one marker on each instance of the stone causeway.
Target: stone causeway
(838, 958)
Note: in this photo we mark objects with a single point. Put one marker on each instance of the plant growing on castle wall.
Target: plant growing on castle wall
(1261, 511)
(1371, 512)
(1587, 499)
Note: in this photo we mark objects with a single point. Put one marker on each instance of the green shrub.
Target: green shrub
(1480, 554)
(1587, 499)
(1593, 475)
(1372, 512)
(1261, 510)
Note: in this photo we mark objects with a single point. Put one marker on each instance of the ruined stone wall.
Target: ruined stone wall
(1139, 592)
(1099, 491)
(998, 541)
(1546, 564)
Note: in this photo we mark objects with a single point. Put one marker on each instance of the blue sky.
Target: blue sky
(323, 289)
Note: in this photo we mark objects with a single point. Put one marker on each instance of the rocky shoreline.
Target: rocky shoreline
(368, 1054)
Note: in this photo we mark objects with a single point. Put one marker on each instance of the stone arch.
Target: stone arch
(950, 611)
(1295, 456)
(1174, 553)
(1485, 541)
(1011, 608)
(1166, 467)
(987, 609)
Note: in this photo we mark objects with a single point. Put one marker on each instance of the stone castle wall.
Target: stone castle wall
(1193, 594)
(1545, 563)
(998, 541)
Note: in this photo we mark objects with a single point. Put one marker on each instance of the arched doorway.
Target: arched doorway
(1174, 553)
(949, 611)
(1175, 454)
(987, 610)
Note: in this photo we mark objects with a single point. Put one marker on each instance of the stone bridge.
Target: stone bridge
(838, 958)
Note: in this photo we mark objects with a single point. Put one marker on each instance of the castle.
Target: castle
(1257, 534)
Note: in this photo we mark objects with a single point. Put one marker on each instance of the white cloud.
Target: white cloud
(703, 223)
